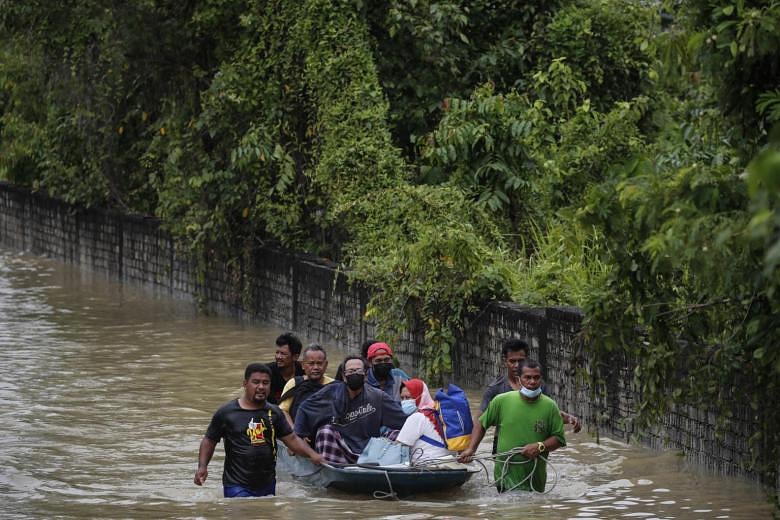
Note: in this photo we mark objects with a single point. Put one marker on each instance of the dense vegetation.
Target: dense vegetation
(615, 155)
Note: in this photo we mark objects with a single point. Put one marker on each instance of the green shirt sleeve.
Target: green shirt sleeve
(490, 417)
(556, 424)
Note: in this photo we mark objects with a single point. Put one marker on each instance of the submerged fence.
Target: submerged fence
(314, 298)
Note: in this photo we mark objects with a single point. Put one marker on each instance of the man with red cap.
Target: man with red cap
(382, 374)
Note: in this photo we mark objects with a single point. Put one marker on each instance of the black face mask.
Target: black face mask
(382, 370)
(355, 381)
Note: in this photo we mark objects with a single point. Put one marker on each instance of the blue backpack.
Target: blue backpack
(454, 414)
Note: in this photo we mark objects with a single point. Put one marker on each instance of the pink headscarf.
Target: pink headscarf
(419, 390)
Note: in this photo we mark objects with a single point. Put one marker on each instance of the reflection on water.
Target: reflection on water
(106, 390)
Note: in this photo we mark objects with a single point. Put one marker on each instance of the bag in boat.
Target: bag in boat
(455, 417)
(384, 452)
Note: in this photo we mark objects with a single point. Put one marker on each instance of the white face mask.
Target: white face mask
(408, 406)
(530, 393)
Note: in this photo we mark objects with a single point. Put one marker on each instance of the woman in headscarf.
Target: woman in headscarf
(422, 430)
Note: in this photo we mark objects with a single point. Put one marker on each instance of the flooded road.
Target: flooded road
(106, 390)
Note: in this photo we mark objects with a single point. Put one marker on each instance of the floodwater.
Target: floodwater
(106, 390)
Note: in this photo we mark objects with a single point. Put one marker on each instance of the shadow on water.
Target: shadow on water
(106, 390)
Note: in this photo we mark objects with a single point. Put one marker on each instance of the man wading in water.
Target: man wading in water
(514, 353)
(285, 365)
(528, 420)
(299, 388)
(250, 427)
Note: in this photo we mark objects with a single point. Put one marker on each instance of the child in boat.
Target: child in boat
(422, 430)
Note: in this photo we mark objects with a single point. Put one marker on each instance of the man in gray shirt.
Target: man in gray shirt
(514, 352)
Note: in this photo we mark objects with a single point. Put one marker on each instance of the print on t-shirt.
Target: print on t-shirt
(256, 432)
(353, 415)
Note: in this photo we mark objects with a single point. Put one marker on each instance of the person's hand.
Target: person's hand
(576, 422)
(530, 451)
(317, 458)
(573, 420)
(466, 456)
(200, 476)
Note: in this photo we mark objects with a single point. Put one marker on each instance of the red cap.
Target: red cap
(377, 349)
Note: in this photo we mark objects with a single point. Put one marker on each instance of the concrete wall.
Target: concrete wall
(312, 297)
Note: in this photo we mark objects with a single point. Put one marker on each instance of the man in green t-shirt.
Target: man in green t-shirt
(527, 419)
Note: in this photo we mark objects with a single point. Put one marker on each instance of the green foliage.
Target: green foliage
(95, 98)
(483, 146)
(23, 140)
(575, 163)
(768, 105)
(428, 51)
(431, 259)
(291, 124)
(742, 39)
(606, 42)
(764, 185)
(355, 153)
(523, 158)
(564, 269)
(685, 267)
(232, 173)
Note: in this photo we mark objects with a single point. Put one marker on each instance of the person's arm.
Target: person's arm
(477, 434)
(573, 420)
(285, 405)
(488, 396)
(296, 444)
(534, 449)
(289, 419)
(205, 452)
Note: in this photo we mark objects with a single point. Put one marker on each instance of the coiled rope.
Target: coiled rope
(505, 458)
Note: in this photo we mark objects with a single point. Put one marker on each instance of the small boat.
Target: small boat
(381, 481)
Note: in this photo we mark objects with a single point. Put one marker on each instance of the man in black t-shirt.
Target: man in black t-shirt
(285, 365)
(251, 428)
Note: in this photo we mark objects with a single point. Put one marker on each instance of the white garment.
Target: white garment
(415, 426)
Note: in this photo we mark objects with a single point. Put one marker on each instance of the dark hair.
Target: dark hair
(364, 347)
(340, 371)
(514, 345)
(292, 341)
(315, 347)
(251, 368)
(528, 363)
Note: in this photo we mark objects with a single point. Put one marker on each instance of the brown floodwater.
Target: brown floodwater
(106, 390)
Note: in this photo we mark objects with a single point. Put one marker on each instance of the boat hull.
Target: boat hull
(402, 482)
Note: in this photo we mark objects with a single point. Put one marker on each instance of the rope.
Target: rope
(383, 494)
(507, 463)
(478, 458)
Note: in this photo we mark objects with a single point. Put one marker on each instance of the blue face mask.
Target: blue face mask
(408, 406)
(530, 393)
